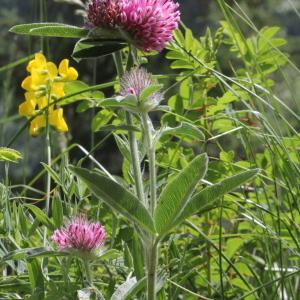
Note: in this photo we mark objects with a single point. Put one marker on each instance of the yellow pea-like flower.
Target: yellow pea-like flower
(37, 124)
(26, 109)
(26, 83)
(57, 90)
(57, 120)
(39, 62)
(66, 72)
(43, 86)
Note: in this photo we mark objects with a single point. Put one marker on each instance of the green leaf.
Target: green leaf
(175, 195)
(50, 30)
(232, 246)
(73, 87)
(101, 119)
(36, 278)
(52, 173)
(122, 291)
(86, 48)
(41, 216)
(186, 130)
(208, 197)
(25, 28)
(57, 212)
(117, 197)
(122, 127)
(148, 91)
(9, 155)
(109, 255)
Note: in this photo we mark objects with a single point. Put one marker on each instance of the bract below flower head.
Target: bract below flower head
(80, 236)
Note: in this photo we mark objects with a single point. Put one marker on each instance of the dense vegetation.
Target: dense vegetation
(192, 171)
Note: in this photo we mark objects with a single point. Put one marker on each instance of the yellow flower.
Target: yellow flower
(65, 72)
(57, 90)
(38, 62)
(43, 86)
(57, 120)
(26, 109)
(36, 124)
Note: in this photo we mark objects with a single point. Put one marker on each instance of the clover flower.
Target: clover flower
(102, 13)
(43, 86)
(80, 236)
(150, 23)
(134, 82)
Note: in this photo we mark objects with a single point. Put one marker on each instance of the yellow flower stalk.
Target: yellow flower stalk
(43, 86)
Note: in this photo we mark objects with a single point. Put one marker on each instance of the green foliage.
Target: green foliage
(177, 193)
(9, 155)
(224, 232)
(117, 197)
(50, 29)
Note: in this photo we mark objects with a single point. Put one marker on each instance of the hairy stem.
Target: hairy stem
(152, 271)
(135, 158)
(88, 272)
(151, 157)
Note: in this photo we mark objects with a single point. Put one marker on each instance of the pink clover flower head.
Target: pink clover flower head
(80, 235)
(149, 22)
(102, 13)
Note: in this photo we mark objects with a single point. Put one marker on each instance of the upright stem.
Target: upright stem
(88, 273)
(135, 158)
(151, 157)
(152, 251)
(152, 271)
(48, 184)
(48, 150)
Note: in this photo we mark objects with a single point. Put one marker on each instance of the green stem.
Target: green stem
(88, 273)
(135, 158)
(152, 271)
(48, 179)
(151, 157)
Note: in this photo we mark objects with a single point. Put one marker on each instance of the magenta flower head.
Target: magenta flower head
(149, 23)
(80, 237)
(102, 13)
(138, 87)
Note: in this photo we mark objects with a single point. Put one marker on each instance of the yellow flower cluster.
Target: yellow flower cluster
(43, 86)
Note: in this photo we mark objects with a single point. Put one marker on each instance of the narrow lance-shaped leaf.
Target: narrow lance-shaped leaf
(208, 197)
(50, 29)
(117, 197)
(41, 216)
(176, 194)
